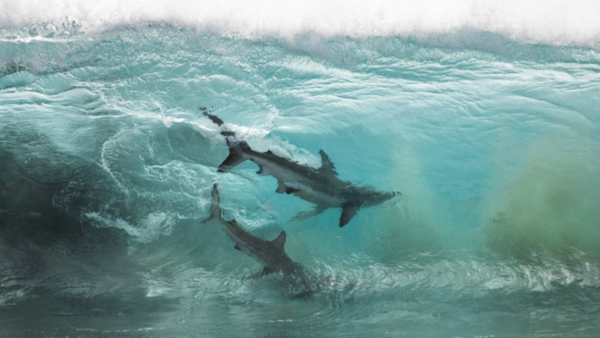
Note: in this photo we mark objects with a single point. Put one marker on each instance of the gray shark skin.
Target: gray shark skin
(270, 254)
(320, 186)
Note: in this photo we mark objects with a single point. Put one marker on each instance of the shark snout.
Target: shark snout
(380, 197)
(388, 195)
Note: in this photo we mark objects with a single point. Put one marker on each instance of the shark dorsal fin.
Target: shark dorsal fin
(326, 164)
(280, 240)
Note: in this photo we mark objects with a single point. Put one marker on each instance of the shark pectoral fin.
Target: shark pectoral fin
(280, 187)
(289, 190)
(307, 214)
(279, 242)
(237, 247)
(348, 211)
(327, 166)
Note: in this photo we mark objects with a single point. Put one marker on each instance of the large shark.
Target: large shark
(320, 186)
(270, 254)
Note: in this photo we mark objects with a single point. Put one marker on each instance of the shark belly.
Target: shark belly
(304, 187)
(308, 193)
(244, 245)
(273, 169)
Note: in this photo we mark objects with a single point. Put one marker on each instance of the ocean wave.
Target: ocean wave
(555, 22)
(106, 166)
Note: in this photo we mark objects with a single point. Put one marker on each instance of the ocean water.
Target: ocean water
(485, 115)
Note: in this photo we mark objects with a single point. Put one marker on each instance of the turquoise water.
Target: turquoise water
(107, 165)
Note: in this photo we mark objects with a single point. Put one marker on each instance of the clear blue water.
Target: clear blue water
(107, 164)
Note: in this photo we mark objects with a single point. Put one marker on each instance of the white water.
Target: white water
(536, 21)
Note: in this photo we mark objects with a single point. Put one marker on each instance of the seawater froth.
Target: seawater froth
(552, 22)
(149, 229)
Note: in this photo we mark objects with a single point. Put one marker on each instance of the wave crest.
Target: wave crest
(572, 23)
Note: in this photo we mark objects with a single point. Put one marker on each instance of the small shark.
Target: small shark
(320, 186)
(270, 254)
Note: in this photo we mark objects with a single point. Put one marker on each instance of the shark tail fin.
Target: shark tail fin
(217, 120)
(215, 207)
(236, 155)
(214, 118)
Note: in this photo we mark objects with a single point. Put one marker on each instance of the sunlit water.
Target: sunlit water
(106, 167)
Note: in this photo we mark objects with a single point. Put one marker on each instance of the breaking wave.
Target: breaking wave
(483, 116)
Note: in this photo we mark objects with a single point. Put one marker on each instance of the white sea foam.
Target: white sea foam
(150, 228)
(555, 22)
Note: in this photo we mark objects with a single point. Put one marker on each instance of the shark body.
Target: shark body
(270, 254)
(320, 186)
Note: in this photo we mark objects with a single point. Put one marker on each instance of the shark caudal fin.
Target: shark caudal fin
(215, 207)
(236, 147)
(236, 155)
(216, 120)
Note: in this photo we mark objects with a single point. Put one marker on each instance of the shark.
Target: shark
(320, 186)
(270, 254)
